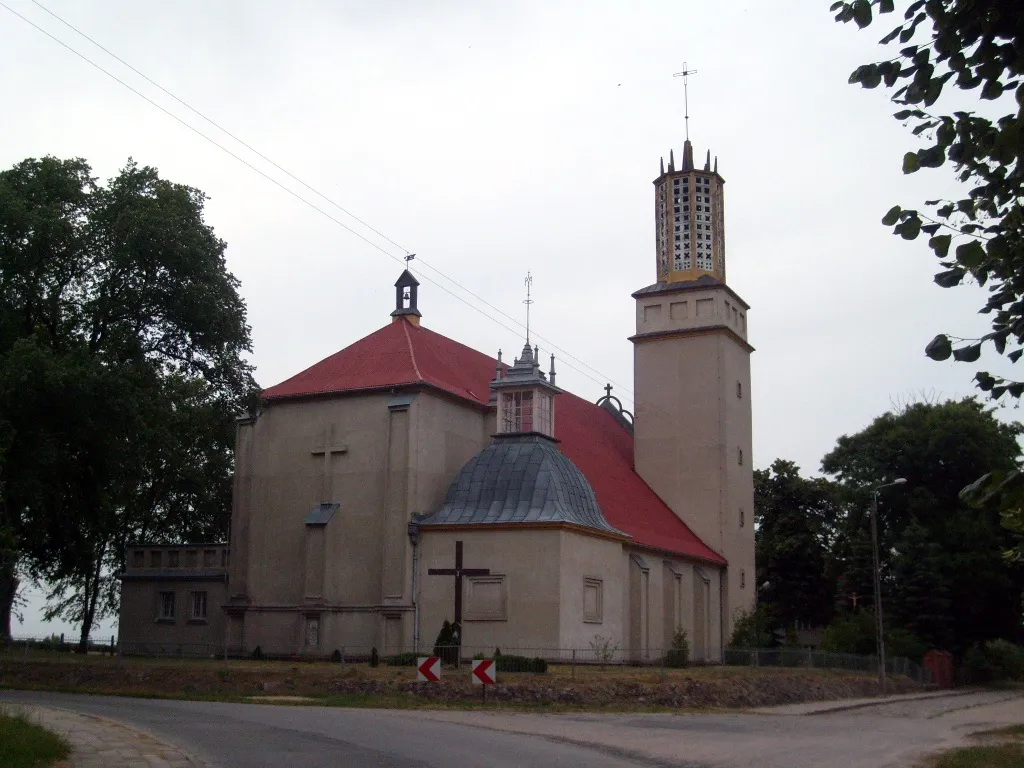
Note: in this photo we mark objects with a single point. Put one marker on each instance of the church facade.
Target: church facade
(409, 479)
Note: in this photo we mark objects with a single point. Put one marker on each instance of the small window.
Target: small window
(198, 607)
(192, 558)
(593, 600)
(138, 559)
(739, 389)
(739, 456)
(172, 559)
(155, 560)
(743, 579)
(209, 558)
(165, 606)
(743, 517)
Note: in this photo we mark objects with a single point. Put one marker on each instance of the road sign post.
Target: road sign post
(484, 673)
(428, 669)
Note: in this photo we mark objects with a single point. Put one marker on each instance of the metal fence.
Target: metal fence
(598, 655)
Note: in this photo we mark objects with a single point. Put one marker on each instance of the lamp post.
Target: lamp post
(879, 630)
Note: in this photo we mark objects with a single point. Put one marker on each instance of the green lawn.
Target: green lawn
(24, 744)
(992, 756)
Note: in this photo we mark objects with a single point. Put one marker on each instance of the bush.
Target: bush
(374, 657)
(854, 633)
(519, 663)
(407, 659)
(994, 661)
(752, 629)
(900, 642)
(336, 656)
(446, 647)
(679, 654)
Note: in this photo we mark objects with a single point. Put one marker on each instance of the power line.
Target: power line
(294, 194)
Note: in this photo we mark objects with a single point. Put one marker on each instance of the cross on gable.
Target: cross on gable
(458, 572)
(328, 450)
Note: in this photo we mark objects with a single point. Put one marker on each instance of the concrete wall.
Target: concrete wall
(352, 576)
(529, 561)
(588, 561)
(182, 570)
(693, 426)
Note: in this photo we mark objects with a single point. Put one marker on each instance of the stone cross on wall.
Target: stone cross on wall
(328, 450)
(458, 572)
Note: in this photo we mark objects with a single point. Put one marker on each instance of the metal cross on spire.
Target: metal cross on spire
(528, 301)
(685, 74)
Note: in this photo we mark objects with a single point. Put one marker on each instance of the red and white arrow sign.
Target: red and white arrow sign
(428, 669)
(484, 672)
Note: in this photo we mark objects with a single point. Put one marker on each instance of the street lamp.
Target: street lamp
(878, 578)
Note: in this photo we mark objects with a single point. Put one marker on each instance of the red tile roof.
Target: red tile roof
(401, 353)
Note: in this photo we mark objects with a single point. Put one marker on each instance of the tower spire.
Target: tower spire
(685, 74)
(528, 301)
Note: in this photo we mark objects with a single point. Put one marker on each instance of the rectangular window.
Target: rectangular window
(155, 559)
(593, 600)
(209, 558)
(739, 456)
(544, 413)
(165, 606)
(172, 559)
(138, 559)
(198, 607)
(192, 559)
(517, 412)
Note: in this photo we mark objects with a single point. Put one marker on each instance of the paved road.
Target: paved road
(254, 736)
(265, 736)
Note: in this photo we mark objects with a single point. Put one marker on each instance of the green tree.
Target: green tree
(920, 588)
(979, 47)
(939, 448)
(795, 519)
(121, 373)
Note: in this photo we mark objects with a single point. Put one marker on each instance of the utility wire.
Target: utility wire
(294, 194)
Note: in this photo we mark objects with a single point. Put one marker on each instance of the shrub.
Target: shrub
(446, 647)
(751, 629)
(407, 659)
(854, 633)
(520, 664)
(679, 654)
(993, 661)
(336, 656)
(257, 653)
(900, 642)
(374, 657)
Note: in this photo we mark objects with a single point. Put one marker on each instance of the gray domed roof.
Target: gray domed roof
(525, 479)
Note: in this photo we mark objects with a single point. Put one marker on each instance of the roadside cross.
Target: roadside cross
(458, 572)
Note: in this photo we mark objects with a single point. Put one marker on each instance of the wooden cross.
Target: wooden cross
(327, 451)
(458, 572)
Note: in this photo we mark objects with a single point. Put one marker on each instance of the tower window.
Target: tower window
(677, 209)
(743, 579)
(743, 517)
(686, 198)
(739, 456)
(517, 412)
(739, 389)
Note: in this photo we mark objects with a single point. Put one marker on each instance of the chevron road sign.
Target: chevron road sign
(484, 672)
(428, 669)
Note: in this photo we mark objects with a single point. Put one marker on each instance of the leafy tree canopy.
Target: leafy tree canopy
(122, 337)
(977, 46)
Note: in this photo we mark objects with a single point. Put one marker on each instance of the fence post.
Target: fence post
(573, 663)
(342, 649)
(26, 649)
(757, 657)
(663, 666)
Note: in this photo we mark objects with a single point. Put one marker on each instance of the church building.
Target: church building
(408, 479)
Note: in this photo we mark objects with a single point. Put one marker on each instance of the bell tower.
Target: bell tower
(691, 362)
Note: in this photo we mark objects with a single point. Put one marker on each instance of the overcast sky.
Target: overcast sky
(492, 138)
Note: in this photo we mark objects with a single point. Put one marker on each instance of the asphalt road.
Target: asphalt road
(897, 733)
(265, 736)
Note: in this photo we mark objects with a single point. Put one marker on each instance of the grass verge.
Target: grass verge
(989, 756)
(23, 744)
